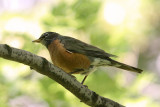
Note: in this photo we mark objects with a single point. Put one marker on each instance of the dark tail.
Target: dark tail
(124, 66)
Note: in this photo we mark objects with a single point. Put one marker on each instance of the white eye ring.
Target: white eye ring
(45, 35)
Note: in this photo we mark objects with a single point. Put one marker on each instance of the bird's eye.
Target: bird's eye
(44, 35)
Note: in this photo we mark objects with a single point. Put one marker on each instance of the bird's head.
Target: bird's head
(46, 38)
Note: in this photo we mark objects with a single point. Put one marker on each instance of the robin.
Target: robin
(76, 57)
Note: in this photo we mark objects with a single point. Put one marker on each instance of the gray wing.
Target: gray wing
(77, 46)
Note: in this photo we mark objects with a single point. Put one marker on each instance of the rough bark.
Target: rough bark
(44, 67)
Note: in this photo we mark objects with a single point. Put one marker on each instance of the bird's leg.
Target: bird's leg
(83, 82)
(84, 79)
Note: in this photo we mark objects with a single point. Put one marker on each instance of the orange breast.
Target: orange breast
(66, 60)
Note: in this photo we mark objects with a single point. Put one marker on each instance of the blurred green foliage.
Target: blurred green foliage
(135, 40)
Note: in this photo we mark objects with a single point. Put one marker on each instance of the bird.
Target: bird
(77, 57)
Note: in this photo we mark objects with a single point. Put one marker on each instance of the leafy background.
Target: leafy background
(129, 29)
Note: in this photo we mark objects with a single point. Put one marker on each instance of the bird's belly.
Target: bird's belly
(71, 62)
(68, 61)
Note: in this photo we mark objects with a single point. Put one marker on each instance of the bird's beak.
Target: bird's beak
(37, 40)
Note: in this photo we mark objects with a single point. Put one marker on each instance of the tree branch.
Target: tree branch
(44, 67)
